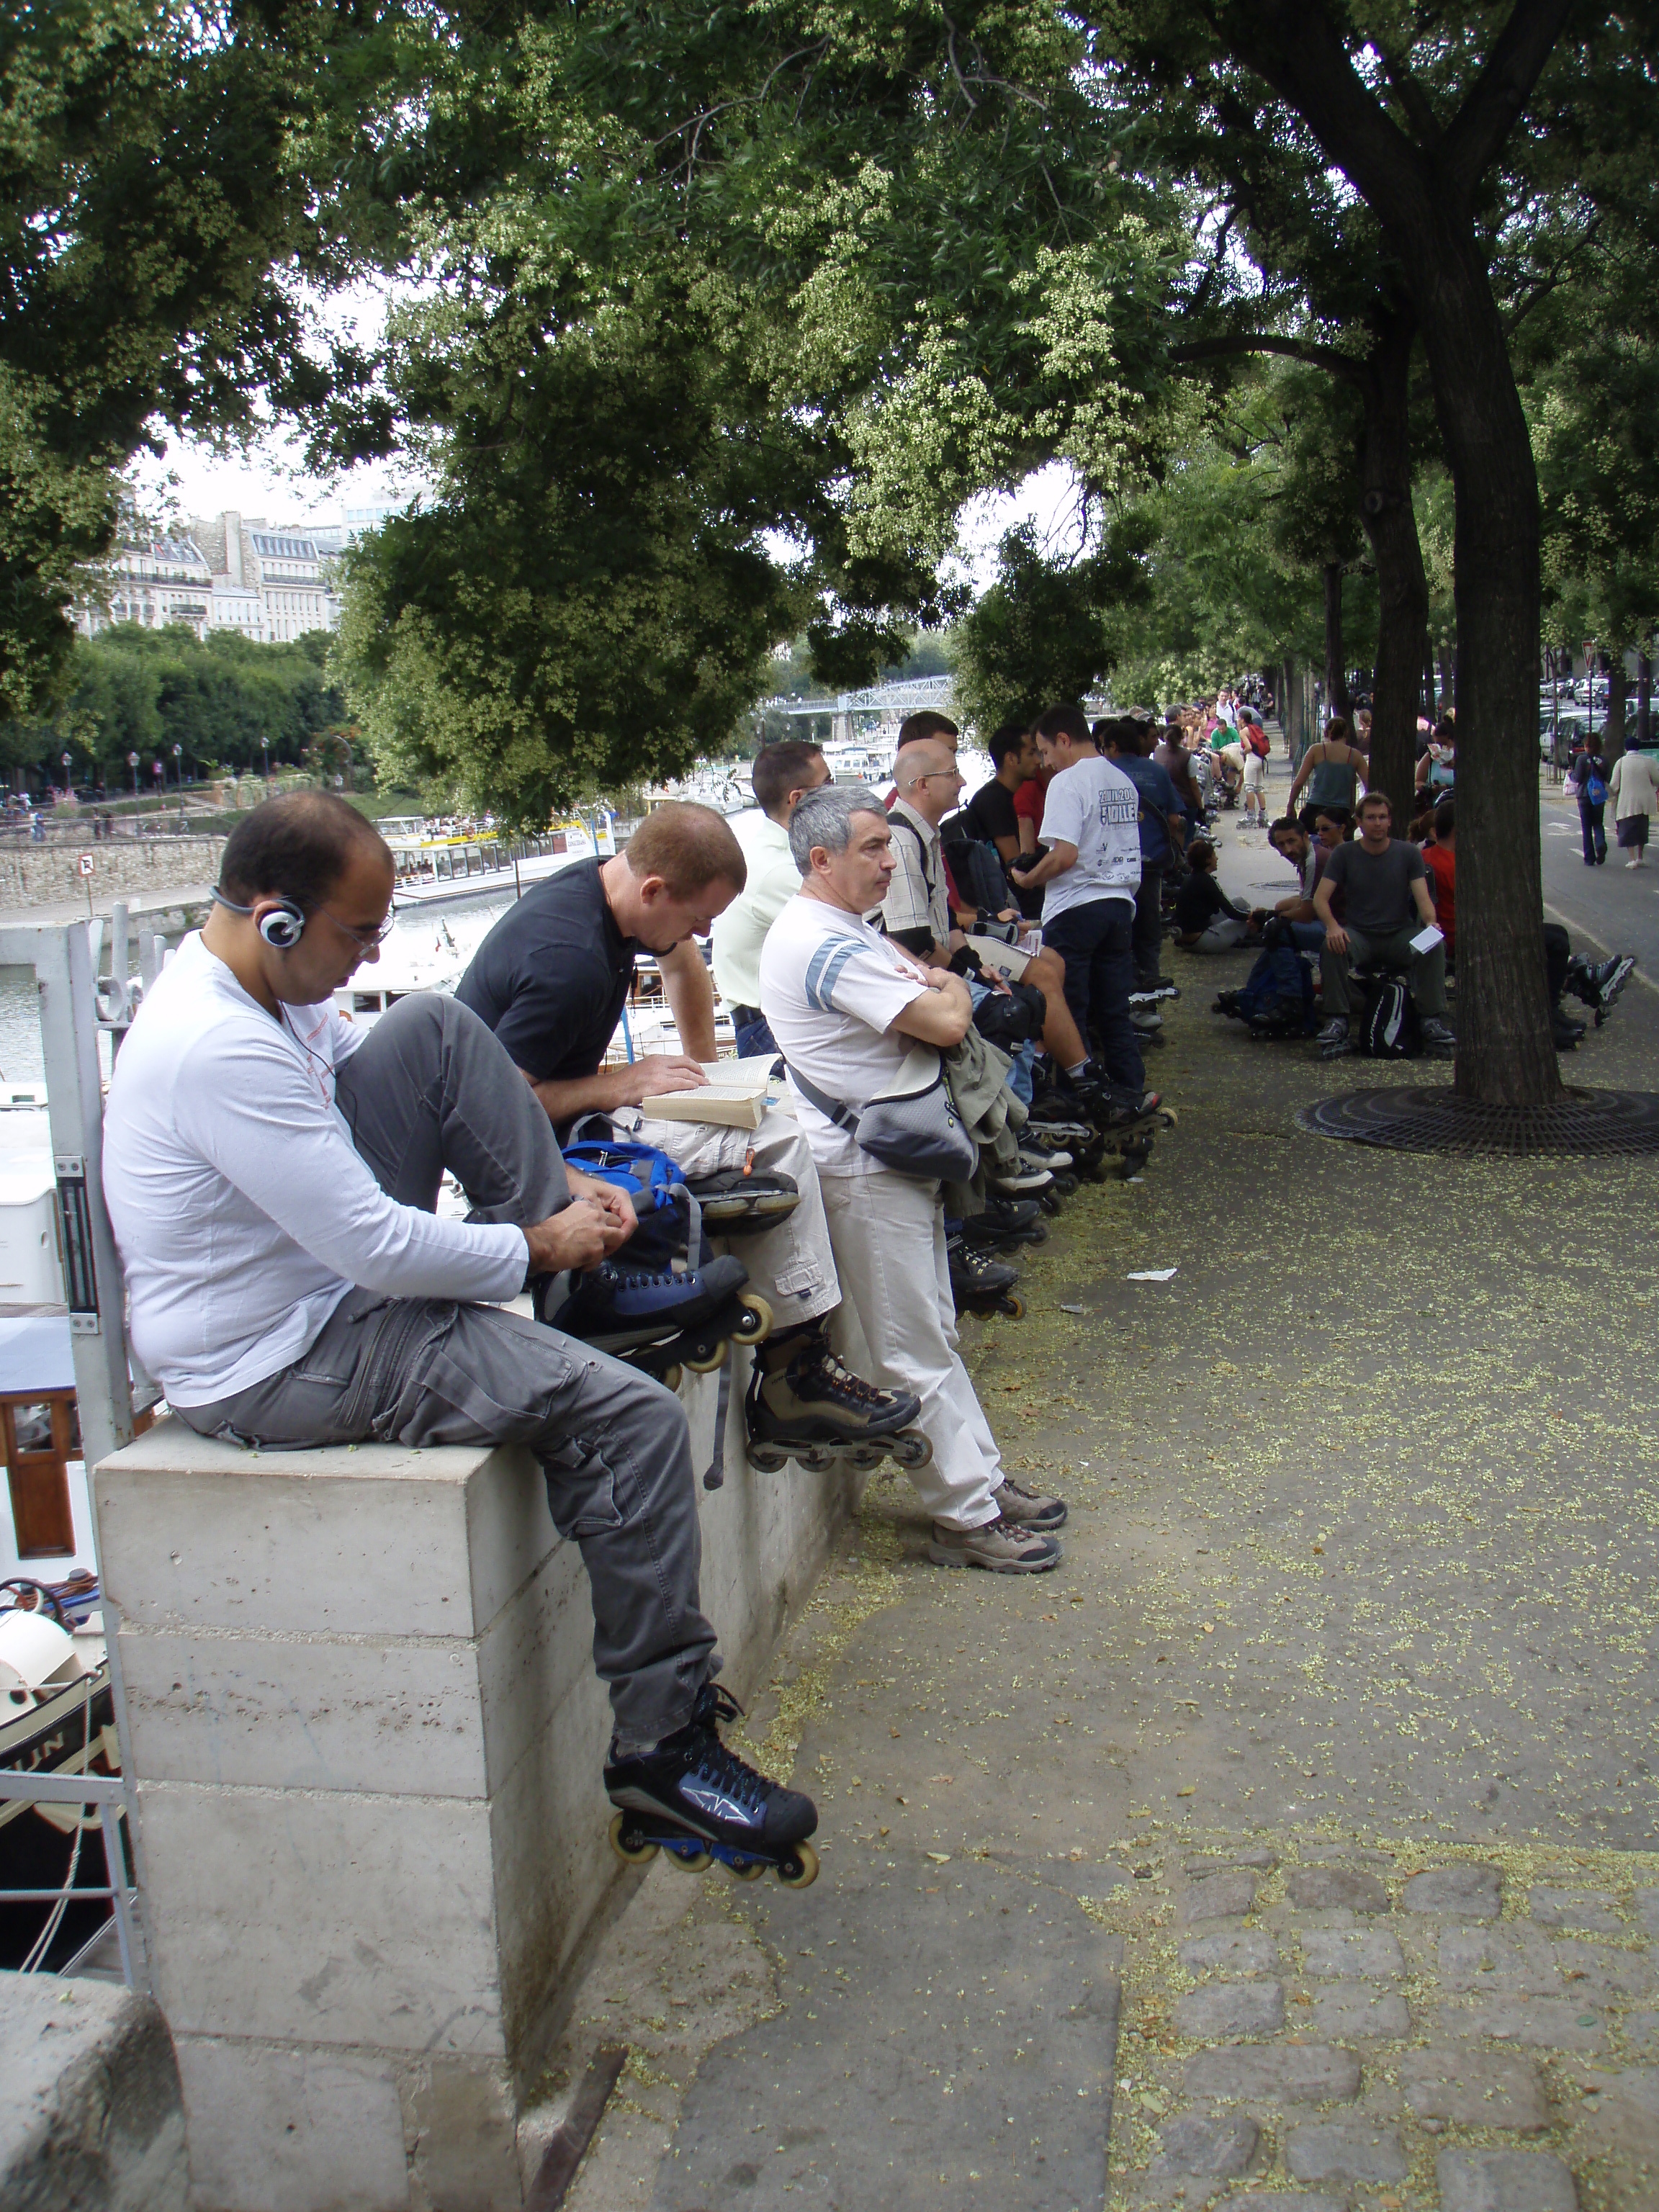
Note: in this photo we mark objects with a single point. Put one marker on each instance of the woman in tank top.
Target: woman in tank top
(1333, 769)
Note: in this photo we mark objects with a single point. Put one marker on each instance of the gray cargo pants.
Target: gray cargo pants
(429, 1088)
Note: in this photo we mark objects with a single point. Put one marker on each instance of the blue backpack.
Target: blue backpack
(671, 1220)
(1277, 996)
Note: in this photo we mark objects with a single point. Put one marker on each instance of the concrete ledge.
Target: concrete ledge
(91, 2119)
(368, 1739)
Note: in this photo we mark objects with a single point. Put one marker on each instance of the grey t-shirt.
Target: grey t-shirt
(1376, 887)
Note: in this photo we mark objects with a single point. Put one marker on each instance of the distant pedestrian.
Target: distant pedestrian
(1634, 787)
(1587, 783)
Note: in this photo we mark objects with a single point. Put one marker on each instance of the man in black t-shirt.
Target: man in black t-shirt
(551, 979)
(989, 814)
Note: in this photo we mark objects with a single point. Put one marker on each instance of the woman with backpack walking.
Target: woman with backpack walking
(1587, 782)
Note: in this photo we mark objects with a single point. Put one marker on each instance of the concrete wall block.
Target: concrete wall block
(306, 1713)
(509, 1531)
(369, 1541)
(554, 1865)
(323, 1917)
(277, 2128)
(460, 2127)
(536, 1653)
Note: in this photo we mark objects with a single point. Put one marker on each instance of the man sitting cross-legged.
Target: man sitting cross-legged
(551, 979)
(1384, 885)
(271, 1172)
(845, 1005)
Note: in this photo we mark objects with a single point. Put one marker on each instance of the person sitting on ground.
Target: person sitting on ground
(272, 1171)
(1308, 856)
(1440, 858)
(915, 912)
(1206, 919)
(551, 981)
(1384, 883)
(781, 774)
(848, 1005)
(1634, 786)
(1090, 876)
(1333, 771)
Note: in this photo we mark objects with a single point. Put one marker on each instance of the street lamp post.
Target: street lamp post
(264, 748)
(132, 763)
(68, 765)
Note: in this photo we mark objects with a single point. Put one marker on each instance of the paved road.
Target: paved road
(1360, 1588)
(1616, 907)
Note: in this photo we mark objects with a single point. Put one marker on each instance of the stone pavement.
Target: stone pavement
(1304, 1819)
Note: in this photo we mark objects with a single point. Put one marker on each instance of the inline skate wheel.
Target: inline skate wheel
(910, 1448)
(1049, 1201)
(689, 1857)
(751, 1869)
(798, 1867)
(708, 1353)
(632, 1848)
(671, 1377)
(769, 1459)
(755, 1321)
(1012, 1305)
(865, 1456)
(817, 1459)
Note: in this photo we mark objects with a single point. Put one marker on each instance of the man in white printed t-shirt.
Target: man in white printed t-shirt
(846, 1005)
(1088, 876)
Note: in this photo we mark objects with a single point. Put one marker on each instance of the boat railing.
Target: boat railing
(108, 1792)
(72, 1015)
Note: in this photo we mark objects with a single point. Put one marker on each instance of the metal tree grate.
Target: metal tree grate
(1437, 1120)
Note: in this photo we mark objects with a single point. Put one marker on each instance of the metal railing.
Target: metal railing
(64, 962)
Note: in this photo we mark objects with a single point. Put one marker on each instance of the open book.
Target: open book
(734, 1096)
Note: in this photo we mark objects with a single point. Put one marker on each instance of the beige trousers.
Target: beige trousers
(897, 1326)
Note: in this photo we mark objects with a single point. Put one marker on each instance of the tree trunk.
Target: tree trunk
(1617, 701)
(1448, 686)
(1644, 698)
(1336, 674)
(1385, 505)
(1295, 712)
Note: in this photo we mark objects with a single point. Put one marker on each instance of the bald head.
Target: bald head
(927, 780)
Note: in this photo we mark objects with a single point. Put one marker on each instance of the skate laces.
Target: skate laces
(841, 1381)
(625, 1279)
(721, 1768)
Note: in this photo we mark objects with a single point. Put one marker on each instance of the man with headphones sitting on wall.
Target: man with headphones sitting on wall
(271, 1172)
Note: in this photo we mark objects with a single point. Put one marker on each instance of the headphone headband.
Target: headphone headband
(281, 926)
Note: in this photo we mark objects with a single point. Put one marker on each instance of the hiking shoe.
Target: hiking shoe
(1026, 1509)
(1021, 1182)
(1000, 1545)
(1437, 1032)
(1005, 1219)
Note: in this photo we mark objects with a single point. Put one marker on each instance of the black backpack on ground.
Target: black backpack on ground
(1389, 1027)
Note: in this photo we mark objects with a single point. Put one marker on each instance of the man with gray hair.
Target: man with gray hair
(847, 1005)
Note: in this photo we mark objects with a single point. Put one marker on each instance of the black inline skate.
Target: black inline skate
(660, 1320)
(980, 1284)
(1007, 1221)
(697, 1800)
(804, 1405)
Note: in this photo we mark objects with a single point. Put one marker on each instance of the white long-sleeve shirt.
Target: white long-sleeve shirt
(242, 1210)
